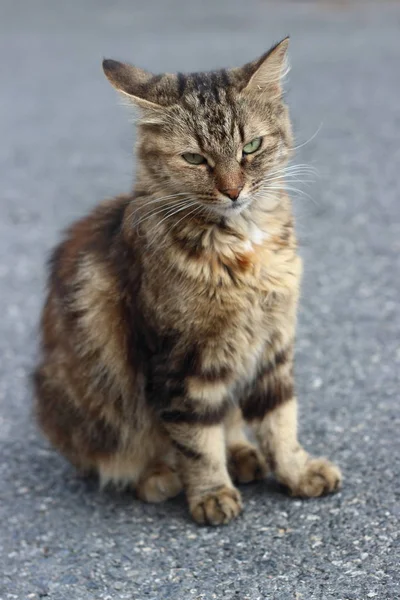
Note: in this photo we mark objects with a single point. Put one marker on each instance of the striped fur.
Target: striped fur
(171, 314)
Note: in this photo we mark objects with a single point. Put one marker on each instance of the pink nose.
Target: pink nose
(232, 193)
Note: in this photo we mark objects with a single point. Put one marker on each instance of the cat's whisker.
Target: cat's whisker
(154, 200)
(262, 196)
(168, 200)
(191, 212)
(283, 179)
(171, 214)
(197, 207)
(169, 206)
(291, 189)
(292, 173)
(292, 178)
(166, 210)
(298, 165)
(296, 168)
(314, 135)
(166, 205)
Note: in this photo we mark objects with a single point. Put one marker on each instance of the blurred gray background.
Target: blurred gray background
(65, 144)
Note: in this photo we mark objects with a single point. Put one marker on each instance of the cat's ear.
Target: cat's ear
(266, 73)
(131, 81)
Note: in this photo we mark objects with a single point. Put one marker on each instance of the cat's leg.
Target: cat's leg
(146, 463)
(195, 424)
(272, 408)
(153, 481)
(158, 483)
(211, 495)
(245, 461)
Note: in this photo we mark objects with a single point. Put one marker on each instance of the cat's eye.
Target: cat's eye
(194, 159)
(252, 146)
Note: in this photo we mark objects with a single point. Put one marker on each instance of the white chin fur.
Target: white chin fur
(234, 208)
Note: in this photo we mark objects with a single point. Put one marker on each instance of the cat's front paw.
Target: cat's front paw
(217, 507)
(246, 463)
(319, 477)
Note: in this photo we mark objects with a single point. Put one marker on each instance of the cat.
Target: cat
(171, 312)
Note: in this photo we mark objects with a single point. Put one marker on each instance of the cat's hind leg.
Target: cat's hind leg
(147, 465)
(152, 482)
(159, 482)
(245, 461)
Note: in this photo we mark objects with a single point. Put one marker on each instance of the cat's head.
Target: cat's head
(211, 137)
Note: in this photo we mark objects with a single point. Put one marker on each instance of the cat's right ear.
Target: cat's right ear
(265, 75)
(131, 82)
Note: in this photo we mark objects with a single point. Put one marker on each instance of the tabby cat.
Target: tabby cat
(171, 311)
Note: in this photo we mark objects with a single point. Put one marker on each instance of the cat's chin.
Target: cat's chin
(230, 210)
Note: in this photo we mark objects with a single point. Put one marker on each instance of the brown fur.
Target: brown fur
(170, 308)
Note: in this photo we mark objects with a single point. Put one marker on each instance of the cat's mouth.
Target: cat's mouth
(236, 207)
(229, 209)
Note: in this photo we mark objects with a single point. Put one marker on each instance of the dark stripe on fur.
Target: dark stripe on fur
(287, 231)
(192, 246)
(267, 368)
(181, 84)
(213, 416)
(214, 86)
(241, 132)
(221, 374)
(186, 451)
(230, 272)
(93, 435)
(224, 78)
(265, 399)
(199, 140)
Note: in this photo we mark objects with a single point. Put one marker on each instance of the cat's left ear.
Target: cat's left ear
(266, 73)
(135, 83)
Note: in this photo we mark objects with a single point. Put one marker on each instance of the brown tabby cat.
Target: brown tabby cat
(171, 312)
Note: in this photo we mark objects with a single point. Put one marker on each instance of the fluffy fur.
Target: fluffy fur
(171, 312)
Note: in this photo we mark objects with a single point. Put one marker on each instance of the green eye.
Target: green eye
(194, 159)
(252, 146)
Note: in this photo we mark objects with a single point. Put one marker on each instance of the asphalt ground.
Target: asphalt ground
(65, 144)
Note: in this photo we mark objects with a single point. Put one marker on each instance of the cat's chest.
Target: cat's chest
(231, 295)
(257, 305)
(254, 275)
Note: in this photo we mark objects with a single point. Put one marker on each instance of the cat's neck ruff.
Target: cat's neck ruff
(257, 223)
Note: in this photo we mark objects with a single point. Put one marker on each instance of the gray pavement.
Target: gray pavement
(64, 145)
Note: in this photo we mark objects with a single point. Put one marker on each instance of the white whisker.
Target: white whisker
(198, 206)
(289, 188)
(297, 168)
(169, 205)
(154, 200)
(171, 214)
(314, 135)
(291, 178)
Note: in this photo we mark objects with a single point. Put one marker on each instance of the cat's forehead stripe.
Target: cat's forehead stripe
(206, 95)
(207, 85)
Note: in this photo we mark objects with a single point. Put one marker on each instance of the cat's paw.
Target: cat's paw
(246, 463)
(319, 477)
(217, 507)
(159, 484)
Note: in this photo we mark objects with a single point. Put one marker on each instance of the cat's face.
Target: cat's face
(212, 138)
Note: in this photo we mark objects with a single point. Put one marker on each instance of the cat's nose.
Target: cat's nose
(232, 193)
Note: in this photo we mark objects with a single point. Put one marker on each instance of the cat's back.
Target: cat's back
(93, 234)
(80, 381)
(83, 313)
